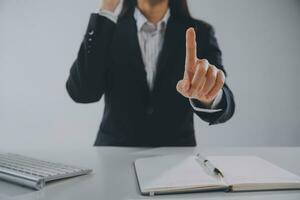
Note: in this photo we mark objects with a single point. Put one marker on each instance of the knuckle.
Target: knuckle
(199, 62)
(205, 61)
(212, 75)
(221, 73)
(220, 82)
(214, 68)
(222, 76)
(202, 69)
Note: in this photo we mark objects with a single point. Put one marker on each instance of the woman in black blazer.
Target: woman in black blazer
(189, 76)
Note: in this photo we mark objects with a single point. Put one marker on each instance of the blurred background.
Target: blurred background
(39, 41)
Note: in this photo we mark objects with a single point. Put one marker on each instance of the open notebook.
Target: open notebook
(179, 174)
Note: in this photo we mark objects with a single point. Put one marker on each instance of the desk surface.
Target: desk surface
(113, 174)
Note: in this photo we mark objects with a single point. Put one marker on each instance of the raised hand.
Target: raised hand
(109, 5)
(201, 80)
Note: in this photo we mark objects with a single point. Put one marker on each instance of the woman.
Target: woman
(156, 66)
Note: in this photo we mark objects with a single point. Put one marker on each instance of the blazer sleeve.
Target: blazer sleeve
(213, 54)
(87, 80)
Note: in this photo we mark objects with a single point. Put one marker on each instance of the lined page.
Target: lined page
(172, 172)
(251, 170)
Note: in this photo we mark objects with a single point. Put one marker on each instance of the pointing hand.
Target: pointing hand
(201, 80)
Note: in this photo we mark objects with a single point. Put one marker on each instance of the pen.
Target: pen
(209, 165)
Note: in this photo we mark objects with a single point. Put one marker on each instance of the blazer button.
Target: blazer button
(91, 32)
(149, 110)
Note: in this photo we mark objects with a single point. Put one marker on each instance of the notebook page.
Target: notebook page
(172, 172)
(251, 169)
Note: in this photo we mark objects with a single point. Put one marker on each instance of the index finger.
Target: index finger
(191, 49)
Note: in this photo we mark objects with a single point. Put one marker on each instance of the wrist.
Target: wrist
(206, 103)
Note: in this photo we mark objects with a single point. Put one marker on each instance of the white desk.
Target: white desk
(114, 178)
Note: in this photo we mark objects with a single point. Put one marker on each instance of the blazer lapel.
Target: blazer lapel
(132, 49)
(173, 39)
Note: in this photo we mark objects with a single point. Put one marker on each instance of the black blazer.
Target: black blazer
(109, 62)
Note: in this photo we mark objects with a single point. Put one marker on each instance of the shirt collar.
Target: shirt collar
(141, 19)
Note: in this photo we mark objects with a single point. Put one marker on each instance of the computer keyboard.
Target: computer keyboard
(34, 173)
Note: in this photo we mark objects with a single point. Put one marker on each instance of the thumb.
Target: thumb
(183, 86)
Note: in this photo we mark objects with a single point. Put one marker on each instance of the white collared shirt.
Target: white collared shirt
(151, 38)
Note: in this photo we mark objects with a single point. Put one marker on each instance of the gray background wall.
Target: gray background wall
(40, 39)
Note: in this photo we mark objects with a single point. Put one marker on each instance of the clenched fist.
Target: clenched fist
(201, 81)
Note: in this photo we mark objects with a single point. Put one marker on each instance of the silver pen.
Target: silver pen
(209, 165)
